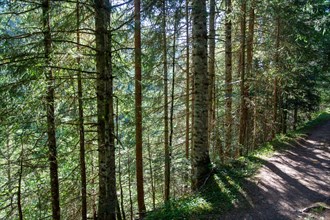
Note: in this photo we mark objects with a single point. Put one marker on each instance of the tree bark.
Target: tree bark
(50, 112)
(166, 130)
(152, 181)
(243, 104)
(119, 163)
(19, 193)
(118, 211)
(211, 69)
(249, 69)
(172, 96)
(256, 135)
(81, 126)
(130, 185)
(107, 174)
(228, 82)
(187, 82)
(138, 109)
(284, 110)
(295, 117)
(9, 162)
(275, 92)
(200, 150)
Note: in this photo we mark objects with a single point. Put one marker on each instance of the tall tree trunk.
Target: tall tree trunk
(193, 97)
(152, 181)
(200, 150)
(249, 69)
(192, 110)
(166, 131)
(9, 162)
(255, 114)
(118, 211)
(211, 69)
(284, 115)
(107, 174)
(187, 81)
(172, 93)
(83, 183)
(93, 189)
(295, 117)
(119, 163)
(19, 193)
(50, 112)
(130, 185)
(121, 187)
(228, 82)
(284, 125)
(275, 104)
(275, 92)
(138, 109)
(243, 104)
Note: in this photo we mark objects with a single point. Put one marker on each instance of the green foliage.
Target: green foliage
(224, 188)
(319, 118)
(182, 208)
(222, 191)
(303, 70)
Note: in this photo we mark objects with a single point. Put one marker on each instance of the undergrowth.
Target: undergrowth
(319, 119)
(224, 189)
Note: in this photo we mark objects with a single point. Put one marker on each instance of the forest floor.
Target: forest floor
(292, 184)
(285, 179)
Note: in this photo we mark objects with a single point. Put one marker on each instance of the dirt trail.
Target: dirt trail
(292, 181)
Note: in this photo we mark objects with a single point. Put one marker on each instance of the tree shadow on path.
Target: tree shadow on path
(289, 181)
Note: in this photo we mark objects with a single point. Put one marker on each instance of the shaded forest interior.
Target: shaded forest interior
(113, 109)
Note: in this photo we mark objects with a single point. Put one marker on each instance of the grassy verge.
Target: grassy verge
(319, 119)
(224, 189)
